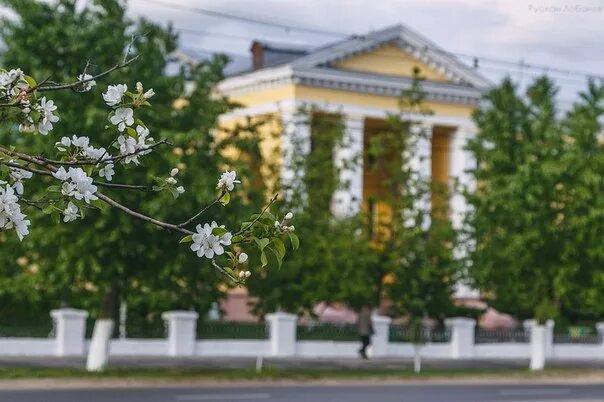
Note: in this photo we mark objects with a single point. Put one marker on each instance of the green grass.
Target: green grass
(284, 374)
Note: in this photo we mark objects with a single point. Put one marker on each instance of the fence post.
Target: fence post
(600, 329)
(539, 340)
(549, 338)
(70, 331)
(381, 333)
(182, 332)
(462, 337)
(282, 333)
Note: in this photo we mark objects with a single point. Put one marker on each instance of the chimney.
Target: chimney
(257, 50)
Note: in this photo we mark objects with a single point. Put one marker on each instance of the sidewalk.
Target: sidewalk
(291, 363)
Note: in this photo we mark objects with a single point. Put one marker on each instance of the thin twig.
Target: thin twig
(271, 202)
(124, 186)
(80, 82)
(140, 216)
(221, 270)
(216, 201)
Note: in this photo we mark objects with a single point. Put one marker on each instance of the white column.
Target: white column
(381, 333)
(348, 159)
(70, 331)
(421, 163)
(462, 337)
(295, 145)
(461, 161)
(282, 334)
(182, 332)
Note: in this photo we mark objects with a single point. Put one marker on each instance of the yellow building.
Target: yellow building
(361, 78)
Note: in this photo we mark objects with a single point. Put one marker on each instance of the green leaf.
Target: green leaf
(278, 257)
(186, 239)
(262, 243)
(226, 198)
(294, 240)
(219, 231)
(236, 239)
(279, 248)
(263, 259)
(30, 81)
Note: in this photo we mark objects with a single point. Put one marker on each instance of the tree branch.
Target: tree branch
(217, 200)
(73, 85)
(267, 206)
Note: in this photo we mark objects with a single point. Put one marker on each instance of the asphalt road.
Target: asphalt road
(321, 393)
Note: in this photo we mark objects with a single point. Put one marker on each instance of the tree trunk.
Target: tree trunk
(538, 339)
(417, 358)
(98, 354)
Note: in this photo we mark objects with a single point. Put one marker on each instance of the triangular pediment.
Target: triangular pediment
(389, 59)
(392, 51)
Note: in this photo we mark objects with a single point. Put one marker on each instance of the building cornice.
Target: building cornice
(343, 80)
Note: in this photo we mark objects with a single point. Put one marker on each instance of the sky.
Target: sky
(558, 34)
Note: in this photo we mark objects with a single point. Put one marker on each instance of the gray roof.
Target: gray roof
(305, 59)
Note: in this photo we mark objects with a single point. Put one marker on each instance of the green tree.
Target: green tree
(536, 215)
(113, 257)
(415, 252)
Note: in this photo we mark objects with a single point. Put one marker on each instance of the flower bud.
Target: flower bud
(171, 180)
(242, 258)
(248, 274)
(242, 274)
(289, 215)
(149, 93)
(173, 172)
(180, 189)
(139, 87)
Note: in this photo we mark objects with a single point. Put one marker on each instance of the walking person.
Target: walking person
(365, 329)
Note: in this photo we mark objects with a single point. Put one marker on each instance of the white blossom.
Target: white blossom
(143, 137)
(139, 87)
(289, 215)
(9, 77)
(76, 184)
(171, 180)
(227, 181)
(63, 144)
(46, 109)
(242, 258)
(149, 93)
(207, 244)
(180, 189)
(71, 213)
(18, 175)
(98, 154)
(173, 172)
(128, 146)
(114, 94)
(87, 86)
(81, 142)
(122, 118)
(107, 171)
(10, 213)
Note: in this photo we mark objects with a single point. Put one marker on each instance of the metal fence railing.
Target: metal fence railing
(314, 331)
(501, 335)
(231, 330)
(42, 327)
(401, 333)
(136, 328)
(577, 334)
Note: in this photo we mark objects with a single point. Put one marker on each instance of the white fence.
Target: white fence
(282, 341)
